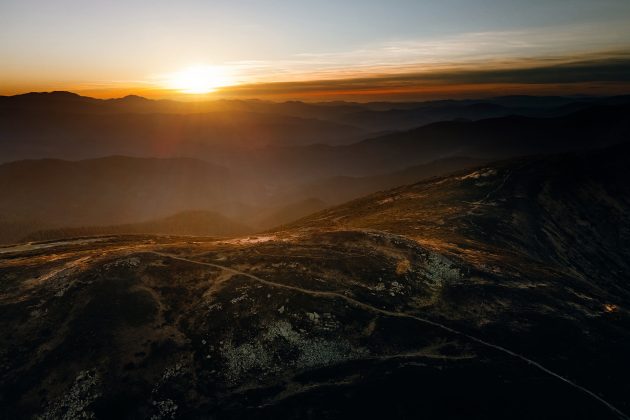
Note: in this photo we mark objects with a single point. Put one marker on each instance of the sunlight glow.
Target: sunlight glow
(199, 79)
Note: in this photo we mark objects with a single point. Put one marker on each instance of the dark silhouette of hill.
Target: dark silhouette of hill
(28, 134)
(487, 139)
(68, 126)
(14, 230)
(494, 138)
(114, 194)
(109, 190)
(61, 101)
(407, 117)
(567, 210)
(404, 119)
(289, 212)
(503, 288)
(188, 223)
(338, 189)
(253, 185)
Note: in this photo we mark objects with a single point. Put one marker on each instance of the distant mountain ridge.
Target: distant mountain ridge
(66, 125)
(57, 100)
(493, 138)
(119, 194)
(188, 223)
(102, 190)
(261, 185)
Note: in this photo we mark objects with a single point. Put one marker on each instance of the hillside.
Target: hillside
(101, 194)
(493, 138)
(191, 223)
(109, 190)
(339, 189)
(545, 208)
(489, 139)
(369, 116)
(400, 303)
(304, 141)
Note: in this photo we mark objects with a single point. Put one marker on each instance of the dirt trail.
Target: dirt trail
(386, 312)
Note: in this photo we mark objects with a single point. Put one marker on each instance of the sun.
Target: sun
(200, 79)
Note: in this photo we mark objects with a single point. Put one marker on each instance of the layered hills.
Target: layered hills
(242, 171)
(501, 288)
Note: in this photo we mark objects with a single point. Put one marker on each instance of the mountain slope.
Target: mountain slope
(339, 189)
(289, 213)
(565, 210)
(193, 223)
(499, 292)
(96, 194)
(33, 134)
(109, 190)
(494, 138)
(269, 137)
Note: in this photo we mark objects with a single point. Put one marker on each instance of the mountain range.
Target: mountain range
(240, 160)
(501, 287)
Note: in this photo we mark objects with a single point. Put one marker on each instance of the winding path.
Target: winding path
(380, 311)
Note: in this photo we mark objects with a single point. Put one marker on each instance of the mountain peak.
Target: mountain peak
(56, 94)
(134, 98)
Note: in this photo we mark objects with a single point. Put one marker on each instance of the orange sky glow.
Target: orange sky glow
(291, 50)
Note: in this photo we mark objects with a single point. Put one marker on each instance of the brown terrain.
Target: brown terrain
(502, 288)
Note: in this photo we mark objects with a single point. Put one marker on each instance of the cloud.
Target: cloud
(584, 58)
(405, 55)
(607, 70)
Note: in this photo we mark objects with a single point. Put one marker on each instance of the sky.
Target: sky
(315, 50)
